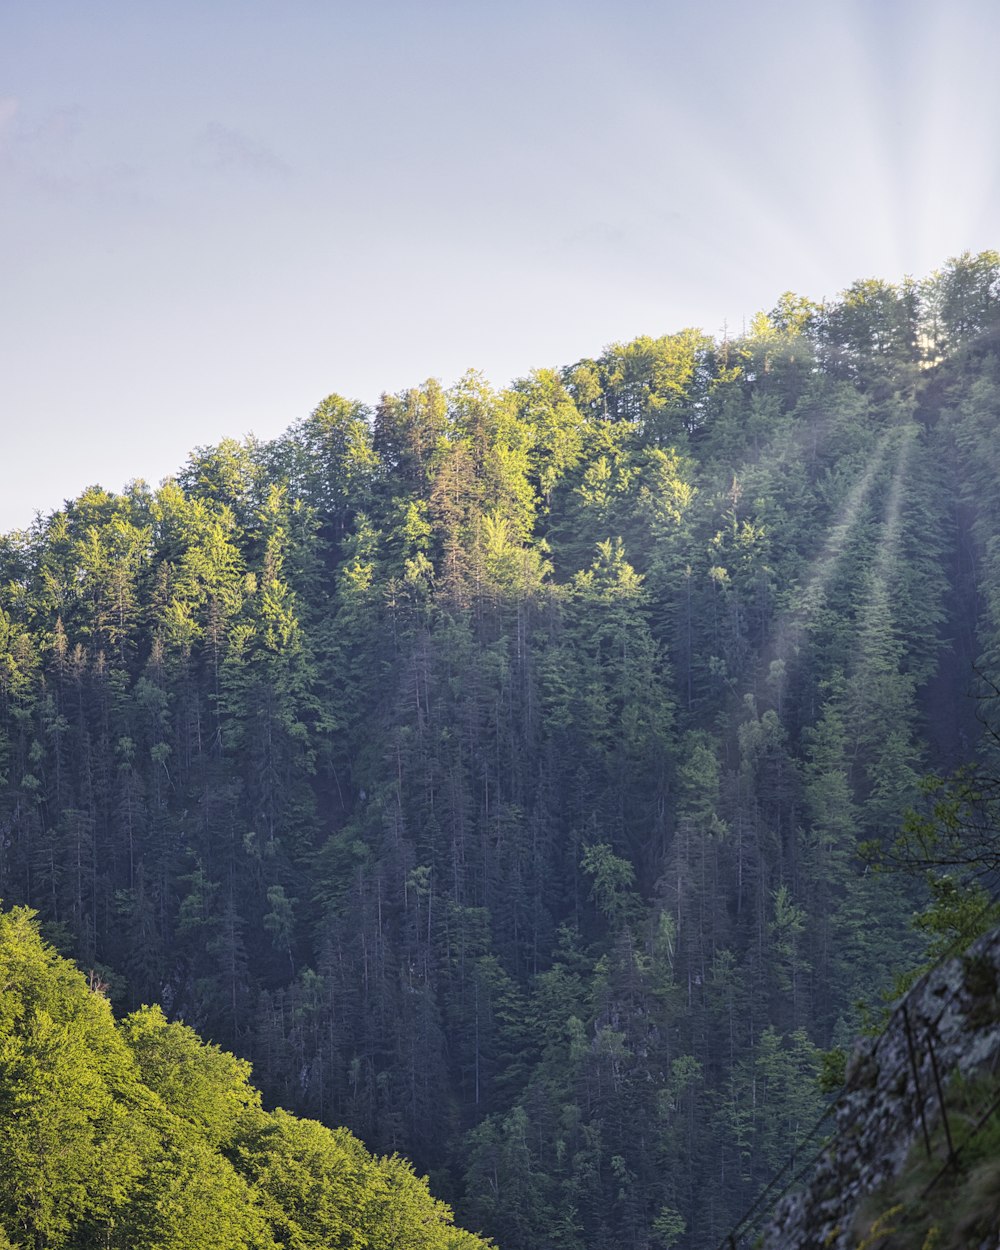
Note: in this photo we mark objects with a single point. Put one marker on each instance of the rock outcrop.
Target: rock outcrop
(948, 1024)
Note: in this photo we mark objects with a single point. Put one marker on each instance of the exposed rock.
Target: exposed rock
(950, 1018)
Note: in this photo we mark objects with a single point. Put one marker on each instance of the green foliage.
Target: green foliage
(197, 1082)
(833, 1070)
(490, 768)
(931, 1204)
(142, 1136)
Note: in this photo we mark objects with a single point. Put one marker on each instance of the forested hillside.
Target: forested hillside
(490, 767)
(140, 1137)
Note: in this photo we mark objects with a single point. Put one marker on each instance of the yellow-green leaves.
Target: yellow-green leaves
(143, 1137)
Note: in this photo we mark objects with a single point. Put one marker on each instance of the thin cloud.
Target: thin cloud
(57, 134)
(8, 107)
(225, 149)
(50, 155)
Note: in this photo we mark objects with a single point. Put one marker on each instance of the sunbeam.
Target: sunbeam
(795, 620)
(889, 544)
(875, 613)
(828, 560)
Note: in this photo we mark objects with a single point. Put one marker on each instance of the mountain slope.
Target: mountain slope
(915, 1155)
(139, 1135)
(491, 767)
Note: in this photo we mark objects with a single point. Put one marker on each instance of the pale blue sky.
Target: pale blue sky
(214, 214)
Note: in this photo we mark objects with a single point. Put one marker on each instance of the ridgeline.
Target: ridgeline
(490, 768)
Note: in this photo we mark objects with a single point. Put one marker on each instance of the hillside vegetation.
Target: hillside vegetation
(139, 1136)
(490, 767)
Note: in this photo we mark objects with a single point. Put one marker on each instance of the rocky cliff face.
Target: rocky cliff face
(912, 1161)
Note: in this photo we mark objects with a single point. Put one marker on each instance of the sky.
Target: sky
(214, 214)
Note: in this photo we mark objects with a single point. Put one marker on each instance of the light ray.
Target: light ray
(877, 600)
(794, 621)
(889, 544)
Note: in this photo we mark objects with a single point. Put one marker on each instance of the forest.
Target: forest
(138, 1136)
(512, 776)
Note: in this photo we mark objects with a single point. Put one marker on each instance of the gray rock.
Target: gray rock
(953, 1012)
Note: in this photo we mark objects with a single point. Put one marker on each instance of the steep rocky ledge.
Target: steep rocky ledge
(889, 1178)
